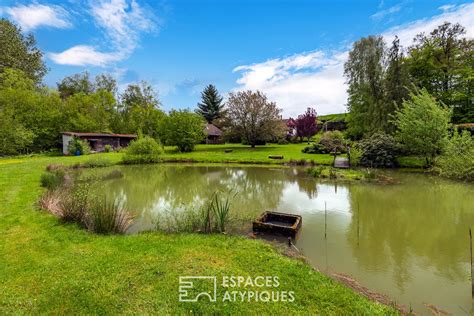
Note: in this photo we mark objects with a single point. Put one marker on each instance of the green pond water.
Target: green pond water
(413, 242)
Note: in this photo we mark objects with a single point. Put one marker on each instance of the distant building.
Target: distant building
(97, 141)
(213, 134)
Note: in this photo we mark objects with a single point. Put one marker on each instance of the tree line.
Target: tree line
(380, 78)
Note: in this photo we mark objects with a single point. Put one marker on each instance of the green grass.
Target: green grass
(333, 117)
(246, 154)
(54, 268)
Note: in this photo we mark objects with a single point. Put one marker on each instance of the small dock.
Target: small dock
(341, 162)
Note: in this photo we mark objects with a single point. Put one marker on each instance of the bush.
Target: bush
(457, 159)
(143, 150)
(333, 141)
(329, 142)
(355, 156)
(78, 146)
(108, 148)
(283, 141)
(379, 151)
(315, 148)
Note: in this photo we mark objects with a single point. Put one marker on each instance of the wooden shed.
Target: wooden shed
(97, 141)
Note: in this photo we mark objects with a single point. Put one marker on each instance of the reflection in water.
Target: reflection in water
(413, 236)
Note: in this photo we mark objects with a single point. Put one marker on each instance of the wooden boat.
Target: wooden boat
(278, 223)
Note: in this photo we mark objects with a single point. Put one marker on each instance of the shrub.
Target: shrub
(329, 142)
(315, 148)
(315, 172)
(333, 141)
(355, 155)
(143, 150)
(78, 146)
(108, 148)
(457, 159)
(283, 141)
(379, 151)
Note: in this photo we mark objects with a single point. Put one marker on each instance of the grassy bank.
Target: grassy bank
(54, 268)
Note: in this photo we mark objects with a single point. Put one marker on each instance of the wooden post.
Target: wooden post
(358, 223)
(325, 221)
(472, 272)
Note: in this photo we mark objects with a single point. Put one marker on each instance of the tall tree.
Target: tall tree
(364, 71)
(253, 117)
(396, 82)
(140, 111)
(306, 124)
(443, 63)
(19, 51)
(76, 83)
(211, 105)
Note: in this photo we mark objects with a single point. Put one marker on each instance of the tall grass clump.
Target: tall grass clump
(107, 216)
(97, 162)
(143, 150)
(220, 209)
(53, 179)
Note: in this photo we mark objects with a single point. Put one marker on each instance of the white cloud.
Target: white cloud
(383, 13)
(32, 16)
(122, 22)
(83, 55)
(316, 78)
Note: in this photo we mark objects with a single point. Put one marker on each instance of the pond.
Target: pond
(413, 241)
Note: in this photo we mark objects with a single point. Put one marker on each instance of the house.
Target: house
(97, 141)
(213, 134)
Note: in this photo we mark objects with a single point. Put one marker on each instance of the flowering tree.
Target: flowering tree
(306, 124)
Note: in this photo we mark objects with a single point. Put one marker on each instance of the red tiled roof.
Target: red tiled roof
(80, 134)
(212, 130)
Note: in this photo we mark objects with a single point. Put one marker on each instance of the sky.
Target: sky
(293, 51)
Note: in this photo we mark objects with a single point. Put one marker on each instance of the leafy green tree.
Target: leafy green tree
(364, 71)
(457, 159)
(253, 117)
(74, 84)
(396, 81)
(16, 138)
(211, 105)
(423, 125)
(19, 51)
(139, 110)
(442, 62)
(105, 82)
(183, 129)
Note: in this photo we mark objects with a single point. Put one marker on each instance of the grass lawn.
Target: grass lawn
(246, 154)
(55, 268)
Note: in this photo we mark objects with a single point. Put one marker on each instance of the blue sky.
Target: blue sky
(293, 51)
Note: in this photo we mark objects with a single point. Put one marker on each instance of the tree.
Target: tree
(423, 125)
(364, 71)
(19, 51)
(105, 82)
(396, 81)
(306, 124)
(77, 83)
(442, 62)
(253, 117)
(139, 110)
(211, 106)
(183, 129)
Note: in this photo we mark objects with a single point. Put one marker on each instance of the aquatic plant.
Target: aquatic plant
(52, 179)
(220, 209)
(96, 162)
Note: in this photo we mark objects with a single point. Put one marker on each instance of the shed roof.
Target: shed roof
(80, 134)
(212, 130)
